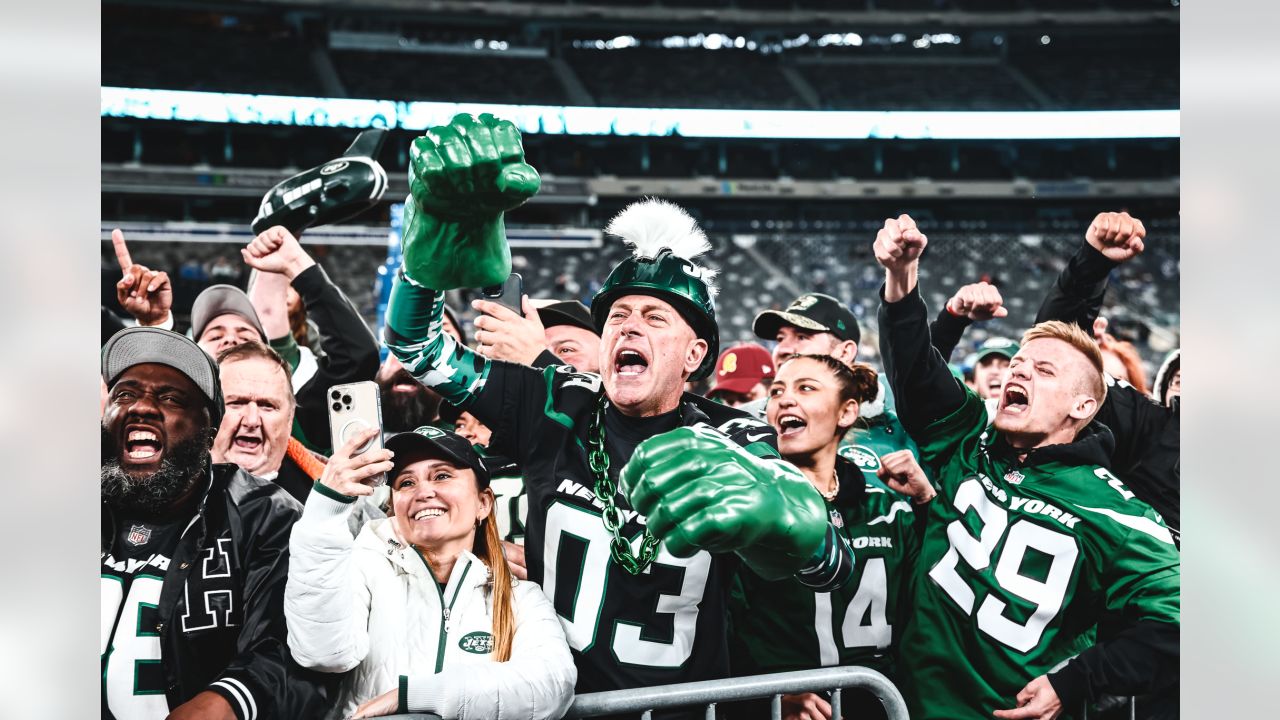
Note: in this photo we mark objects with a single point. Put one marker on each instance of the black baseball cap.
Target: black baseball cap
(439, 444)
(567, 312)
(811, 311)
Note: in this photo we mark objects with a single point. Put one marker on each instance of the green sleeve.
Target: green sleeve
(939, 440)
(1144, 581)
(288, 349)
(415, 335)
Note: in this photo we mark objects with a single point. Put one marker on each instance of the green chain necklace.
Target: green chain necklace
(606, 490)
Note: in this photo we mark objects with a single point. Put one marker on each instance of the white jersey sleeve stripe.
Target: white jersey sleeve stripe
(1141, 524)
(249, 708)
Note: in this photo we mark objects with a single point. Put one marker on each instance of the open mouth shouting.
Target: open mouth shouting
(630, 363)
(143, 444)
(790, 425)
(1015, 400)
(249, 443)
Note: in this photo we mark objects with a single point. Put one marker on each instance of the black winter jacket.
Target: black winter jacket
(350, 353)
(1148, 442)
(225, 584)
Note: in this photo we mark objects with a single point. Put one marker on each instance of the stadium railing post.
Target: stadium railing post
(772, 686)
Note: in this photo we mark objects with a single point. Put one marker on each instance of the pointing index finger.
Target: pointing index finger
(122, 250)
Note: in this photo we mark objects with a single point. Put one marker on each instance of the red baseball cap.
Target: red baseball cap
(741, 368)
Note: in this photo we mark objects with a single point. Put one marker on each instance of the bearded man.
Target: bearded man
(194, 554)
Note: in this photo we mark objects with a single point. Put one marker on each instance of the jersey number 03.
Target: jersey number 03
(570, 525)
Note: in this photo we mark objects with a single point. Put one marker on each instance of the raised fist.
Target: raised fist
(1119, 235)
(900, 471)
(464, 176)
(276, 250)
(899, 243)
(977, 301)
(145, 294)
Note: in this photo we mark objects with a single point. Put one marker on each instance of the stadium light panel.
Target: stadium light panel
(654, 122)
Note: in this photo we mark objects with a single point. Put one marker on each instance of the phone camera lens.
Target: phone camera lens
(336, 394)
(346, 400)
(337, 407)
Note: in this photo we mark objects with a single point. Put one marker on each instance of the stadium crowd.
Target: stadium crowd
(571, 497)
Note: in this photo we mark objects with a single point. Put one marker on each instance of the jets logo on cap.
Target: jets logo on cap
(430, 432)
(804, 302)
(332, 168)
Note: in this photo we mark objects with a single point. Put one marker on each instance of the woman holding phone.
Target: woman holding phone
(420, 610)
(781, 625)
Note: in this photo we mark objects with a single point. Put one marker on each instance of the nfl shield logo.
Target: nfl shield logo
(139, 534)
(836, 518)
(1013, 477)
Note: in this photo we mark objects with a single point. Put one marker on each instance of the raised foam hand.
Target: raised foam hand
(701, 491)
(463, 177)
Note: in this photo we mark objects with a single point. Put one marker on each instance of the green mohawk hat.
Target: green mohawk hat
(664, 240)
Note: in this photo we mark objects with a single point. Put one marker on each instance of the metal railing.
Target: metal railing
(710, 692)
(773, 686)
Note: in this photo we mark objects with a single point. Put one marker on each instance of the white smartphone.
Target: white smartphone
(354, 407)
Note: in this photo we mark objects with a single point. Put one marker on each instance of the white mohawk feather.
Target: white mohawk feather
(652, 224)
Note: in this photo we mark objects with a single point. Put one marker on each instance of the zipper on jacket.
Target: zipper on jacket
(444, 609)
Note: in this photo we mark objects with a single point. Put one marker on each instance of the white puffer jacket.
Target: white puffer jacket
(372, 604)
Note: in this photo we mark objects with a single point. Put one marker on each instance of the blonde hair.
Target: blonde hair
(1080, 340)
(488, 547)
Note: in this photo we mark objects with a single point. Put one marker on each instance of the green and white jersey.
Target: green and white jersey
(1020, 562)
(782, 625)
(133, 680)
(511, 505)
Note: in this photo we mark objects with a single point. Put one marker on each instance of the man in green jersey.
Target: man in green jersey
(642, 498)
(1032, 543)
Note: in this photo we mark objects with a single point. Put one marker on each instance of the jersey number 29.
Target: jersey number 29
(1047, 595)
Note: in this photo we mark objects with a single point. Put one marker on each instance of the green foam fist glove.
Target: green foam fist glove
(700, 490)
(463, 176)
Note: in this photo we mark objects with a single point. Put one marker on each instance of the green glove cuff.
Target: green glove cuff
(410, 310)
